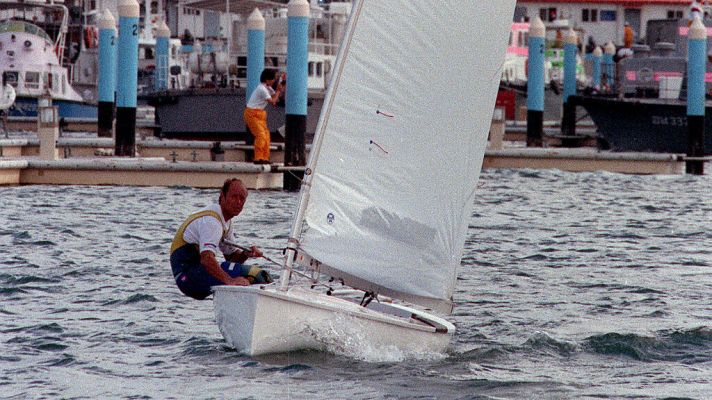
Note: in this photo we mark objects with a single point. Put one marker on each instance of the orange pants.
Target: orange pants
(256, 121)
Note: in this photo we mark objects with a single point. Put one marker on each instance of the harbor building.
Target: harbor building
(604, 20)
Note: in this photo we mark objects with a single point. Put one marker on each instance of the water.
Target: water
(587, 286)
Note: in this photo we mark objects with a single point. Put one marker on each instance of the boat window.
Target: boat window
(10, 78)
(311, 68)
(33, 29)
(50, 81)
(64, 84)
(548, 14)
(319, 68)
(32, 80)
(608, 15)
(327, 67)
(21, 26)
(674, 14)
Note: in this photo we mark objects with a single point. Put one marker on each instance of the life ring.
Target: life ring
(7, 97)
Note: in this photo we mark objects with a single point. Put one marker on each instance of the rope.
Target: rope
(290, 172)
(245, 249)
(292, 270)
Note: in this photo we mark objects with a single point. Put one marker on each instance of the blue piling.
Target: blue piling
(107, 74)
(126, 88)
(568, 121)
(296, 95)
(255, 50)
(596, 78)
(163, 35)
(535, 84)
(696, 68)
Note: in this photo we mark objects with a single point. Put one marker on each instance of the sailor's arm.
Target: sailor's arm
(210, 263)
(275, 97)
(240, 256)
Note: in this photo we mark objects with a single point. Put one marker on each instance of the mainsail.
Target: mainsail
(390, 186)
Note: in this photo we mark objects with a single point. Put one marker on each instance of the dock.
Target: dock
(90, 161)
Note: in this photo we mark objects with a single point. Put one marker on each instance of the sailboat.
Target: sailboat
(389, 186)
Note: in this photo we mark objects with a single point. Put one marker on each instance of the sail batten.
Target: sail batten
(400, 145)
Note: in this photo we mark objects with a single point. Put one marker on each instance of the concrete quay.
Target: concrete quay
(90, 161)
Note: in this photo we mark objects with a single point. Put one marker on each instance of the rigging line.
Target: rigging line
(498, 72)
(301, 181)
(243, 248)
(315, 283)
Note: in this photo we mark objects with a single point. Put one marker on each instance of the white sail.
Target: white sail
(400, 144)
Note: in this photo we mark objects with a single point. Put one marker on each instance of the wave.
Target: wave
(691, 346)
(136, 298)
(685, 346)
(23, 280)
(542, 342)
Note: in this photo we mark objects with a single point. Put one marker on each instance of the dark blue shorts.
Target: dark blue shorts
(194, 281)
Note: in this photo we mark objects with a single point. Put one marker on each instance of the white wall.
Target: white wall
(603, 31)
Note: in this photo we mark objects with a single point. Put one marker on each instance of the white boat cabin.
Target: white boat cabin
(29, 62)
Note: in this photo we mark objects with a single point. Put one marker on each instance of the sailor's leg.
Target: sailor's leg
(262, 139)
(256, 121)
(253, 273)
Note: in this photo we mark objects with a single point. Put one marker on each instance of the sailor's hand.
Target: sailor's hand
(254, 252)
(239, 281)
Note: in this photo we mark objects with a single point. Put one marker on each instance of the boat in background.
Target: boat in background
(211, 107)
(380, 209)
(646, 109)
(513, 93)
(35, 59)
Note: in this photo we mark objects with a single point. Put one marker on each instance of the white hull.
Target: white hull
(258, 320)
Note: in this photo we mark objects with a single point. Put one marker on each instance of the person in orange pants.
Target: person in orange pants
(255, 114)
(628, 36)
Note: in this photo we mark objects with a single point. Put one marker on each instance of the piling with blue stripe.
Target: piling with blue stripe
(296, 96)
(696, 68)
(596, 73)
(255, 50)
(568, 121)
(107, 74)
(535, 84)
(163, 35)
(127, 77)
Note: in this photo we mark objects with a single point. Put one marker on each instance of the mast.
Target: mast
(298, 222)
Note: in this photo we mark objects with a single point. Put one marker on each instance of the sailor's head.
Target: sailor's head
(232, 197)
(268, 75)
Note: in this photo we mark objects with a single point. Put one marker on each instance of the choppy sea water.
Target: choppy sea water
(585, 286)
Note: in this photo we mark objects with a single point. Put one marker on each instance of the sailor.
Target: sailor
(256, 117)
(202, 236)
(628, 36)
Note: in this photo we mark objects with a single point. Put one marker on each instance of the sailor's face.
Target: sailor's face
(234, 200)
